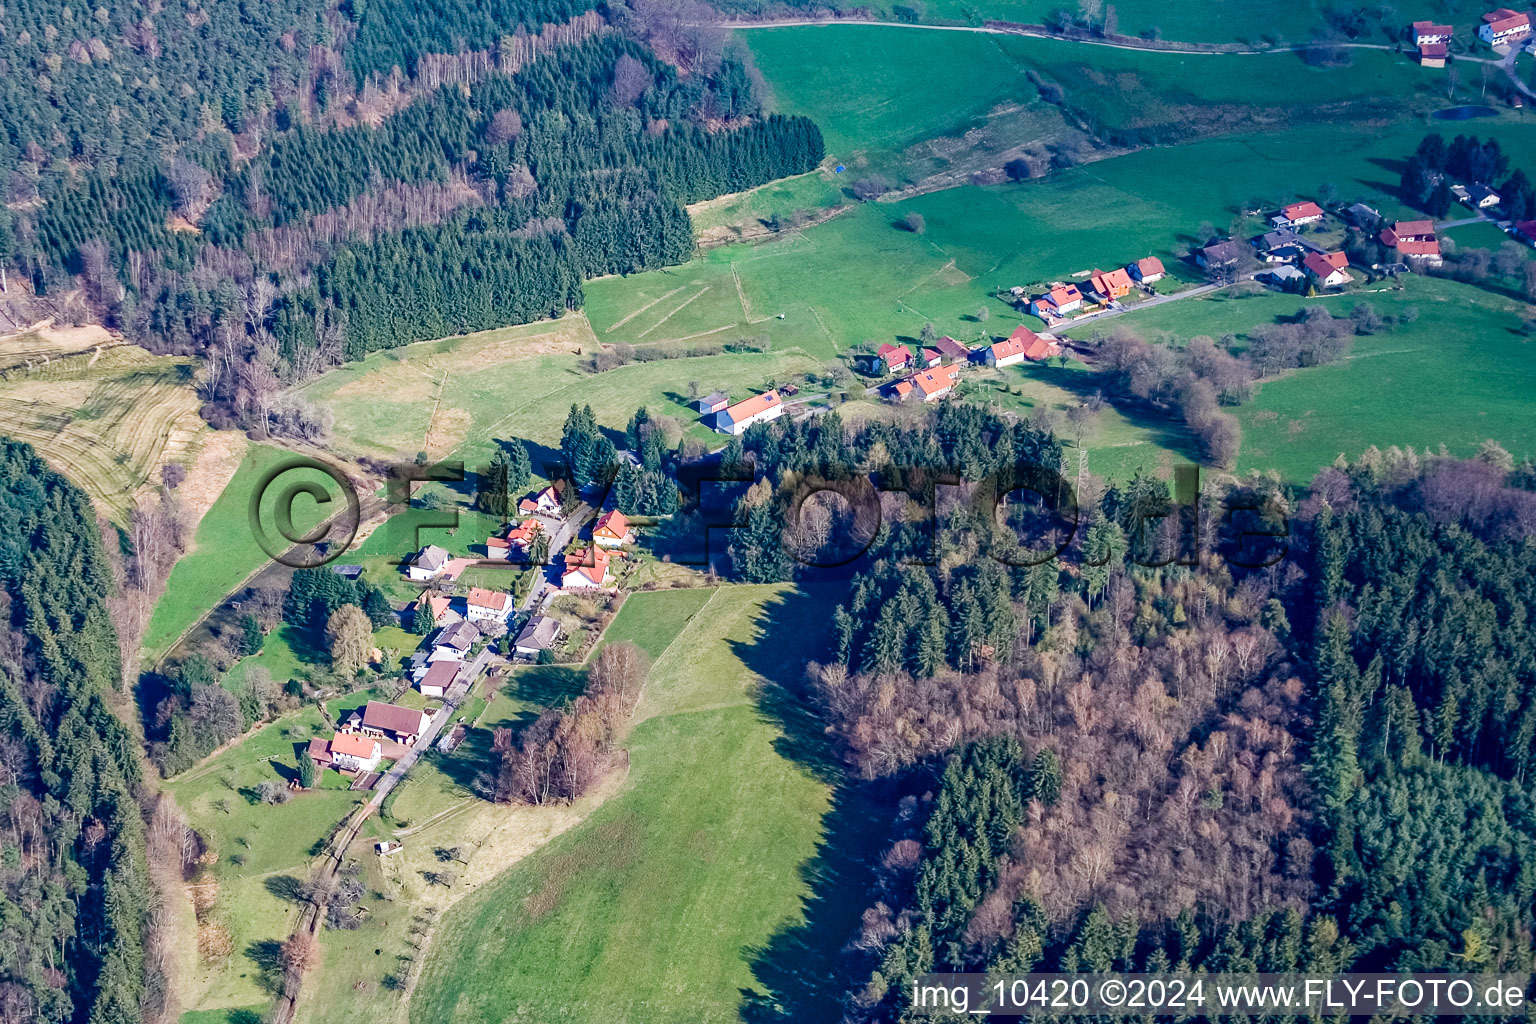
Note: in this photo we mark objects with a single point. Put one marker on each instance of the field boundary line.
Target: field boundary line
(436, 405)
(643, 308)
(701, 334)
(746, 309)
(674, 313)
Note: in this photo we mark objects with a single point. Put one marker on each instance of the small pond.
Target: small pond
(1464, 113)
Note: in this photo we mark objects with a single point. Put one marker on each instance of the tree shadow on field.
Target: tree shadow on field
(802, 974)
(286, 888)
(267, 955)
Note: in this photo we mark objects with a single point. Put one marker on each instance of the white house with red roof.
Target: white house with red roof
(1413, 240)
(586, 570)
(1111, 284)
(612, 530)
(1504, 27)
(895, 357)
(1425, 32)
(1011, 349)
(735, 419)
(347, 751)
(545, 502)
(1058, 302)
(930, 385)
(1296, 214)
(1147, 270)
(1327, 268)
(488, 605)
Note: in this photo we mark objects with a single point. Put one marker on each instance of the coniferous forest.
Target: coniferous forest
(74, 887)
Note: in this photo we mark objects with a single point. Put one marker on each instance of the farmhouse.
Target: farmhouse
(1011, 349)
(1219, 254)
(439, 677)
(612, 530)
(1428, 32)
(1432, 55)
(429, 564)
(1297, 214)
(895, 357)
(391, 721)
(932, 357)
(712, 403)
(737, 418)
(540, 634)
(949, 348)
(586, 570)
(1111, 284)
(545, 502)
(932, 384)
(1413, 240)
(1058, 302)
(1362, 216)
(346, 752)
(1504, 26)
(488, 605)
(1481, 196)
(1328, 268)
(1147, 270)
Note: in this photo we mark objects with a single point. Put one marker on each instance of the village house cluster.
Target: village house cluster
(1063, 301)
(377, 733)
(1501, 29)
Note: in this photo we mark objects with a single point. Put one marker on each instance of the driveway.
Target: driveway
(549, 579)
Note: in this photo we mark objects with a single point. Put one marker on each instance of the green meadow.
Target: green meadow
(224, 549)
(671, 901)
(256, 851)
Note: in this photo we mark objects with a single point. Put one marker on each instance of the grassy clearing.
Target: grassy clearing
(254, 850)
(224, 550)
(108, 421)
(660, 905)
(651, 621)
(1458, 374)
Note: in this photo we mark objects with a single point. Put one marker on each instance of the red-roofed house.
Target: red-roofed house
(1413, 239)
(932, 357)
(933, 384)
(589, 569)
(1011, 349)
(1526, 229)
(1297, 214)
(1432, 55)
(612, 530)
(902, 388)
(737, 418)
(1504, 26)
(1323, 270)
(1043, 347)
(545, 502)
(1111, 284)
(347, 752)
(498, 547)
(520, 537)
(1058, 302)
(488, 605)
(895, 357)
(1146, 270)
(952, 349)
(1425, 32)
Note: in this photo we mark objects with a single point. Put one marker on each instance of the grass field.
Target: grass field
(1458, 374)
(652, 620)
(107, 421)
(224, 549)
(888, 102)
(255, 850)
(665, 904)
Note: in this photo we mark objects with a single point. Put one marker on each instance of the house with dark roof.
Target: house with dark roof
(713, 402)
(391, 721)
(949, 348)
(439, 676)
(428, 564)
(454, 641)
(1219, 254)
(1481, 196)
(540, 634)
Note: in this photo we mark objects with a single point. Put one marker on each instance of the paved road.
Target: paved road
(550, 578)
